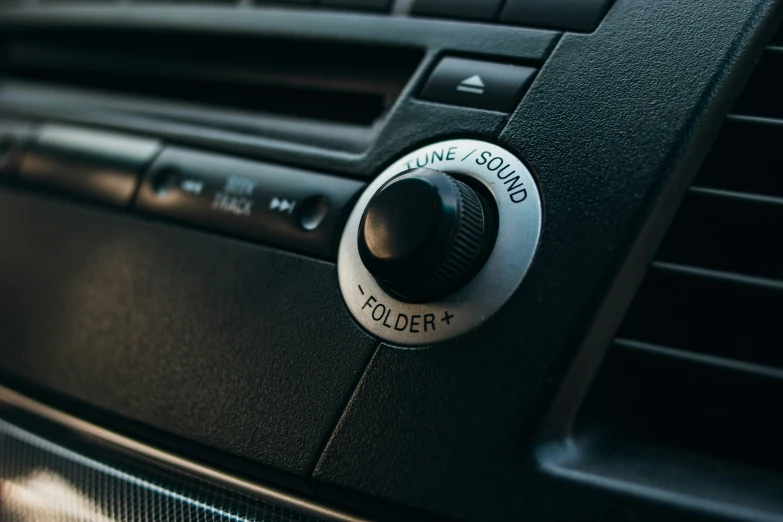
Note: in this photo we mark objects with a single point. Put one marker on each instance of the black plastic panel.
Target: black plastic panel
(570, 15)
(372, 5)
(294, 209)
(484, 10)
(633, 482)
(613, 121)
(679, 428)
(97, 165)
(614, 127)
(236, 347)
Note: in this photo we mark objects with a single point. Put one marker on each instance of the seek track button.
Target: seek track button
(473, 83)
(272, 204)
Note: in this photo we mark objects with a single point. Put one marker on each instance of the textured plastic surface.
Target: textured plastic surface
(448, 429)
(236, 347)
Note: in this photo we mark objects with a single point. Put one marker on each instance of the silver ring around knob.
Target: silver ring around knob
(518, 202)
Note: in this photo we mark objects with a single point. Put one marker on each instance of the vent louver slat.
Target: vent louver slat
(705, 313)
(729, 231)
(319, 81)
(716, 286)
(323, 93)
(698, 361)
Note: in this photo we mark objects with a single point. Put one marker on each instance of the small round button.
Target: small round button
(425, 234)
(312, 212)
(165, 181)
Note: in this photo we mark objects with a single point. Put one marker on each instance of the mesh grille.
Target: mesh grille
(43, 481)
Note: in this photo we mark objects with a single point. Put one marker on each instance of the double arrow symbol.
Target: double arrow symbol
(282, 205)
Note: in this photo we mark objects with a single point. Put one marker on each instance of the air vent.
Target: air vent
(231, 82)
(698, 363)
(296, 4)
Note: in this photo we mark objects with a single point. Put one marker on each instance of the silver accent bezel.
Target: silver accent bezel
(519, 229)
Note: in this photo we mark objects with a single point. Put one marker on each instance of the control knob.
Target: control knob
(425, 234)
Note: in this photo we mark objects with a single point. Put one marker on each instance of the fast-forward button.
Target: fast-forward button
(282, 205)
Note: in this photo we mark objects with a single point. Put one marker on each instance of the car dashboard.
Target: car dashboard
(374, 260)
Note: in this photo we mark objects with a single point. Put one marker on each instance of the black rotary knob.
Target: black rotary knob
(425, 234)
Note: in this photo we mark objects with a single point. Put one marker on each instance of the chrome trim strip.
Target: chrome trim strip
(267, 494)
